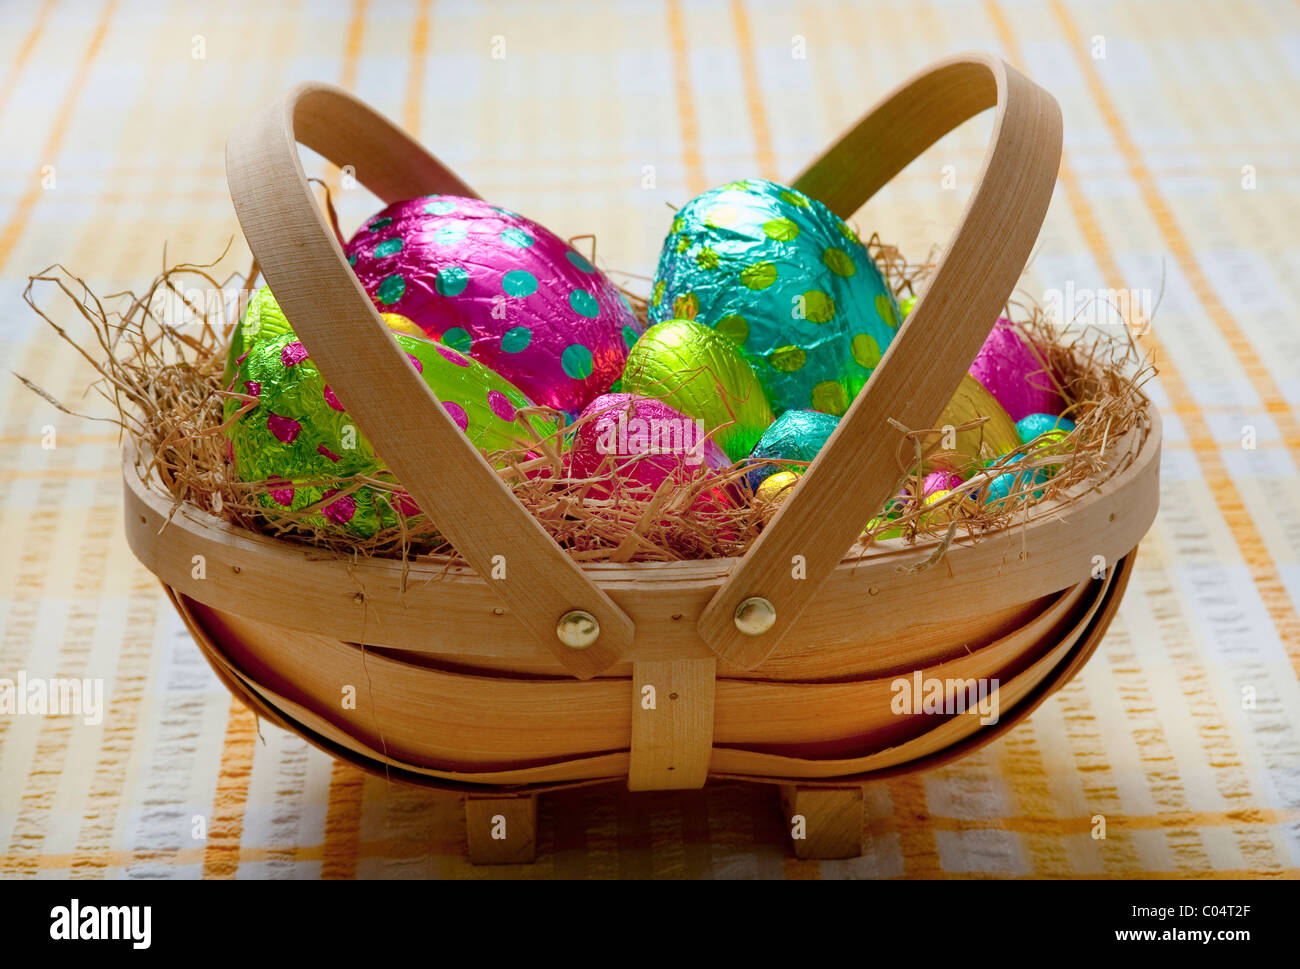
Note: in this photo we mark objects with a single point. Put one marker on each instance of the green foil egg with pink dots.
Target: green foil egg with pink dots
(291, 434)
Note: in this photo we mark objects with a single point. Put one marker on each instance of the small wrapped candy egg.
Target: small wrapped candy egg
(296, 431)
(644, 442)
(997, 435)
(773, 492)
(797, 435)
(1011, 483)
(939, 481)
(885, 530)
(400, 324)
(1049, 434)
(501, 289)
(894, 507)
(785, 279)
(1032, 425)
(906, 304)
(701, 374)
(946, 511)
(777, 487)
(1010, 369)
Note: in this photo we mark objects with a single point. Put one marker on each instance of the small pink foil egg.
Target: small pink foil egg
(501, 289)
(649, 442)
(939, 481)
(1009, 369)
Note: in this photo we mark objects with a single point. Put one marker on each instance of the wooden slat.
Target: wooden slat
(857, 469)
(328, 309)
(673, 741)
(953, 738)
(501, 829)
(823, 822)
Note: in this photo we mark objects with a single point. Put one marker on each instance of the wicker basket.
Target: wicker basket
(777, 667)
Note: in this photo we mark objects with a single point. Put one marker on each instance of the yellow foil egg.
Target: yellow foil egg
(400, 324)
(946, 512)
(777, 487)
(773, 492)
(962, 451)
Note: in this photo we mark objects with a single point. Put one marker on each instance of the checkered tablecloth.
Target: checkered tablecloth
(1181, 178)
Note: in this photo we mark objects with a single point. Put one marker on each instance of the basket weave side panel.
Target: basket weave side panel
(724, 761)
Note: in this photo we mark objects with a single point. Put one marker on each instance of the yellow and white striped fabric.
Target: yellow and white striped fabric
(1182, 171)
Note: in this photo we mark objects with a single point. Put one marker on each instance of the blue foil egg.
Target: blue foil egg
(1031, 426)
(789, 282)
(797, 435)
(1012, 482)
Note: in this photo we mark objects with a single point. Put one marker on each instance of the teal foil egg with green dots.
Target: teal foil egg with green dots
(289, 430)
(787, 281)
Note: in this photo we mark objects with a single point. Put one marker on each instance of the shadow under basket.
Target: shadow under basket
(427, 673)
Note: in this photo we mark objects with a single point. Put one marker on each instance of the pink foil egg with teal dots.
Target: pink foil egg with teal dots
(288, 428)
(501, 289)
(1013, 373)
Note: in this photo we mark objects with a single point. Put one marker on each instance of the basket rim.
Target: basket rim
(1146, 452)
(431, 608)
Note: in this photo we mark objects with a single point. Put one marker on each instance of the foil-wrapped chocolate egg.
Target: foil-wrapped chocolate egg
(286, 426)
(942, 507)
(701, 374)
(797, 435)
(939, 481)
(969, 448)
(882, 529)
(1009, 483)
(773, 492)
(787, 281)
(1011, 370)
(1047, 435)
(400, 324)
(1032, 426)
(626, 442)
(501, 289)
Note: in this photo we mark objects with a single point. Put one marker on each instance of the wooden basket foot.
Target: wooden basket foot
(501, 830)
(824, 822)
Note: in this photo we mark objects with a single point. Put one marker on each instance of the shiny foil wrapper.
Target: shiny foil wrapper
(640, 442)
(1031, 426)
(789, 282)
(297, 432)
(701, 374)
(993, 438)
(939, 481)
(1010, 370)
(797, 435)
(501, 289)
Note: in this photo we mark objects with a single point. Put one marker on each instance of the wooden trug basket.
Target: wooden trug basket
(463, 683)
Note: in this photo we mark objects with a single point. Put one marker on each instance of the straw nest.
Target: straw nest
(161, 353)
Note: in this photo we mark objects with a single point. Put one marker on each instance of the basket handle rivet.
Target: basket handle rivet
(755, 616)
(577, 629)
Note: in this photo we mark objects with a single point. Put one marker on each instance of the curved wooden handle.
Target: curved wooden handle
(328, 309)
(857, 469)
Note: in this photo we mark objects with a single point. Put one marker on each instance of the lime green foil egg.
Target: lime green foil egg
(703, 375)
(786, 280)
(290, 430)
